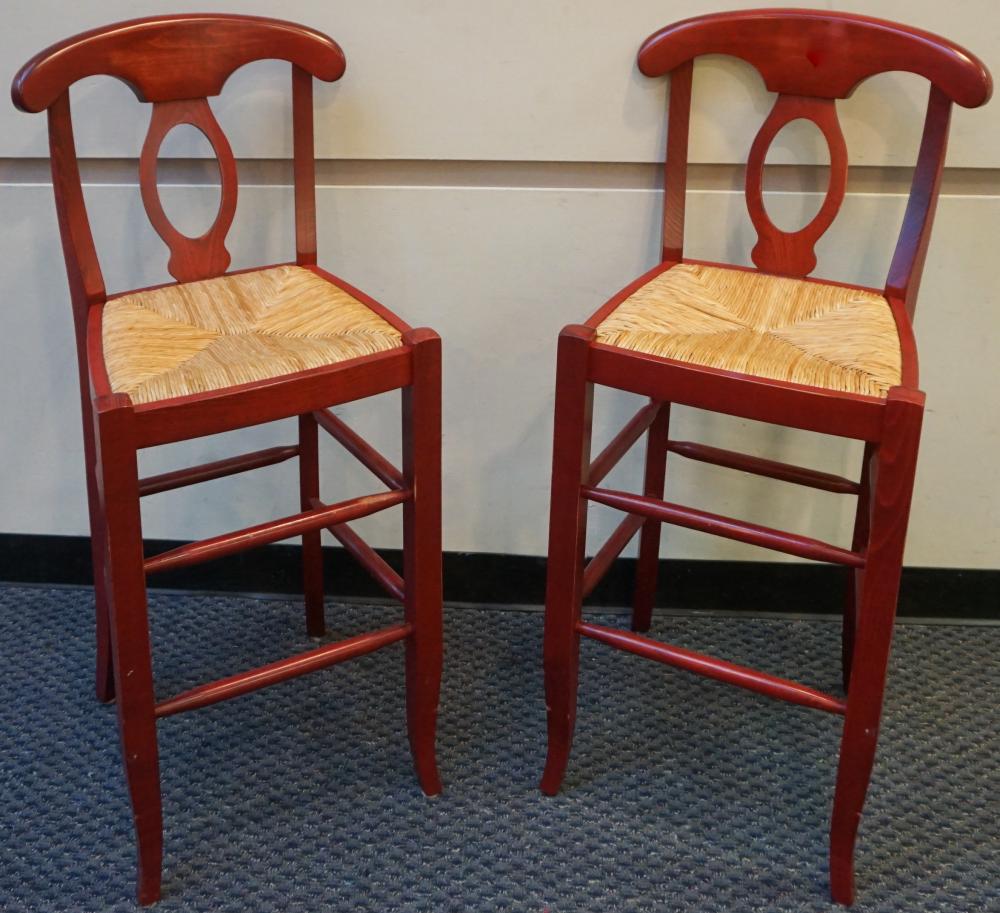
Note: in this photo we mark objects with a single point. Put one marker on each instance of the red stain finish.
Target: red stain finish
(810, 59)
(176, 62)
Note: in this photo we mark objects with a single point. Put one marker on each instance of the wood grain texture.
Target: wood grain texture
(118, 485)
(856, 576)
(622, 442)
(170, 58)
(377, 464)
(376, 566)
(177, 62)
(254, 403)
(192, 475)
(727, 527)
(304, 166)
(282, 670)
(274, 530)
(689, 348)
(206, 256)
(86, 282)
(711, 667)
(567, 537)
(778, 402)
(907, 265)
(772, 469)
(422, 567)
(86, 289)
(892, 475)
(792, 253)
(819, 53)
(653, 481)
(312, 551)
(675, 162)
(810, 58)
(605, 556)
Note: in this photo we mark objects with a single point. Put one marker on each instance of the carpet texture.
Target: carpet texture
(682, 794)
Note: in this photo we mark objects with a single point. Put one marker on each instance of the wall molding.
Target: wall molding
(753, 587)
(508, 175)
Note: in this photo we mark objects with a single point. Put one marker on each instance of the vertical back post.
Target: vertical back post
(86, 283)
(303, 146)
(907, 265)
(675, 169)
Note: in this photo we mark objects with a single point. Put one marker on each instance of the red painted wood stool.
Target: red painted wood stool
(766, 344)
(218, 351)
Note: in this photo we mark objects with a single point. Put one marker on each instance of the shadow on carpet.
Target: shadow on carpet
(682, 794)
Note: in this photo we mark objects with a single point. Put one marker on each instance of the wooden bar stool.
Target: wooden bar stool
(217, 351)
(767, 344)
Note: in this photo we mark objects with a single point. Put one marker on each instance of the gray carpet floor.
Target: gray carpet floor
(683, 794)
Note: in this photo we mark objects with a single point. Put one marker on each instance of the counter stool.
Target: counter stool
(216, 351)
(768, 344)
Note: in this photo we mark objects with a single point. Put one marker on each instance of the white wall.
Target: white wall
(498, 256)
(550, 80)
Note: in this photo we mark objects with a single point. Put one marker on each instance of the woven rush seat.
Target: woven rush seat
(804, 332)
(199, 336)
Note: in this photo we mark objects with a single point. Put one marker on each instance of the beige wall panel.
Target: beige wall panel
(498, 272)
(550, 80)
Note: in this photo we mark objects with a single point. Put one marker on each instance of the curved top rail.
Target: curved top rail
(817, 53)
(166, 58)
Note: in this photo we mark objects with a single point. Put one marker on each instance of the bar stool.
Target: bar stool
(767, 344)
(219, 350)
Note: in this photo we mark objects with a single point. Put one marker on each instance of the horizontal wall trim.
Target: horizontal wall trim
(753, 587)
(488, 174)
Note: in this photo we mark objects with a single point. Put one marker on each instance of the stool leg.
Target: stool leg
(648, 564)
(312, 547)
(104, 671)
(856, 575)
(893, 471)
(567, 539)
(126, 589)
(422, 552)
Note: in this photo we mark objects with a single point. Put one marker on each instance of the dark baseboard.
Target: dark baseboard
(750, 586)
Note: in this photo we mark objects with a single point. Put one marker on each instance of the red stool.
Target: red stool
(218, 351)
(766, 344)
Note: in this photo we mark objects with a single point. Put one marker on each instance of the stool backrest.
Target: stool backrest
(810, 59)
(175, 63)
